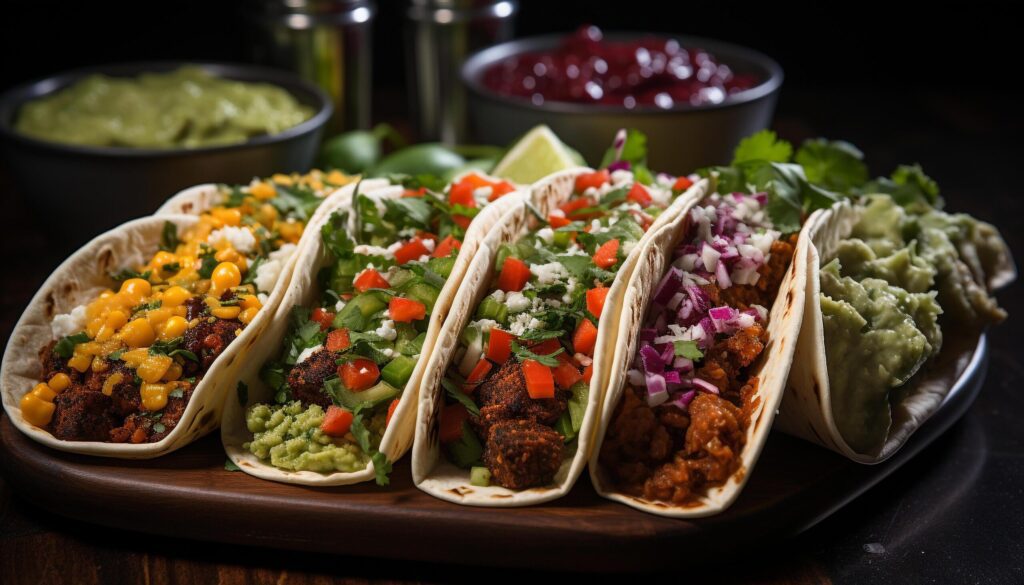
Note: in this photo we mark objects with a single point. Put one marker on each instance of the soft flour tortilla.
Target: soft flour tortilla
(806, 410)
(431, 471)
(78, 281)
(303, 290)
(771, 368)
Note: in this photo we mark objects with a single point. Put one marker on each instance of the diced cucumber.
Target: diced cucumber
(470, 335)
(405, 339)
(564, 427)
(578, 404)
(490, 308)
(480, 476)
(380, 392)
(398, 371)
(423, 293)
(356, 314)
(400, 277)
(442, 266)
(467, 451)
(504, 251)
(562, 239)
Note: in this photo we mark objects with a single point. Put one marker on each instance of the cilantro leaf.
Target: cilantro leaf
(688, 349)
(762, 146)
(169, 237)
(65, 347)
(523, 354)
(381, 466)
(229, 465)
(209, 262)
(541, 334)
(296, 202)
(908, 184)
(408, 211)
(835, 165)
(456, 393)
(128, 273)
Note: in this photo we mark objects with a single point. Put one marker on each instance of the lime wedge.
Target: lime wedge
(537, 154)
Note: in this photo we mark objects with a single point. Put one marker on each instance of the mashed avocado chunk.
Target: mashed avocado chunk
(881, 297)
(290, 436)
(186, 108)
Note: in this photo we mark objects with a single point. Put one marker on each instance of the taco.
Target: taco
(124, 350)
(329, 398)
(706, 335)
(509, 401)
(891, 289)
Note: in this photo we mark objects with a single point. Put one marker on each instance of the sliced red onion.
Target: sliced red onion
(672, 377)
(682, 364)
(648, 334)
(619, 165)
(657, 392)
(668, 286)
(651, 360)
(705, 386)
(722, 273)
(683, 400)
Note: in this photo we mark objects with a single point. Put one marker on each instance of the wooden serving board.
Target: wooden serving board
(189, 494)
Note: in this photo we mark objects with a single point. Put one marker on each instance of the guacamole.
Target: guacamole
(186, 108)
(881, 297)
(289, 436)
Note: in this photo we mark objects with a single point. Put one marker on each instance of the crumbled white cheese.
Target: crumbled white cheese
(428, 244)
(519, 323)
(68, 323)
(239, 238)
(338, 306)
(621, 177)
(484, 325)
(268, 273)
(547, 234)
(549, 273)
(387, 330)
(517, 302)
(368, 250)
(498, 295)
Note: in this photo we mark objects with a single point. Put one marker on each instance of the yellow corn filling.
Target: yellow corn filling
(151, 309)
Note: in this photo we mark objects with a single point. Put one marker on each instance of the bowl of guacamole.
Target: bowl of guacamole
(94, 147)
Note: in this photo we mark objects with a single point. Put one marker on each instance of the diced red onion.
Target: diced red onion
(705, 386)
(619, 165)
(668, 286)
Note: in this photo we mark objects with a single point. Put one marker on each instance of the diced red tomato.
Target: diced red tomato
(446, 246)
(548, 346)
(338, 340)
(415, 192)
(514, 275)
(337, 421)
(539, 381)
(571, 207)
(585, 338)
(638, 194)
(682, 184)
(323, 317)
(452, 417)
(461, 193)
(359, 374)
(411, 250)
(558, 221)
(499, 189)
(499, 345)
(368, 279)
(462, 221)
(406, 310)
(607, 255)
(480, 371)
(391, 411)
(595, 180)
(566, 374)
(595, 300)
(588, 373)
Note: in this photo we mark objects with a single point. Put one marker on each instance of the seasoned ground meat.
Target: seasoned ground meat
(522, 453)
(82, 415)
(725, 360)
(195, 307)
(125, 394)
(210, 337)
(51, 362)
(503, 396)
(307, 379)
(140, 427)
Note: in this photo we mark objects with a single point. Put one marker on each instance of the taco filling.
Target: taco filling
(681, 425)
(517, 388)
(122, 367)
(347, 360)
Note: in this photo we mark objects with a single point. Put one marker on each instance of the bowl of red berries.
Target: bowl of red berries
(694, 98)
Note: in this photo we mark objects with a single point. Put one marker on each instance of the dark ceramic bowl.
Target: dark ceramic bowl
(84, 190)
(680, 139)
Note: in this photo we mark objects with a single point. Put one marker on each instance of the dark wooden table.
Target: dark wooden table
(954, 514)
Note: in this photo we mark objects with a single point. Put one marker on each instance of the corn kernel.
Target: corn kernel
(135, 289)
(80, 362)
(174, 296)
(226, 312)
(93, 327)
(282, 179)
(337, 177)
(225, 276)
(89, 348)
(251, 302)
(111, 382)
(99, 364)
(138, 333)
(173, 327)
(247, 315)
(263, 190)
(268, 214)
(43, 392)
(36, 411)
(180, 311)
(158, 316)
(173, 372)
(115, 320)
(154, 396)
(135, 357)
(154, 367)
(227, 215)
(228, 254)
(59, 382)
(162, 258)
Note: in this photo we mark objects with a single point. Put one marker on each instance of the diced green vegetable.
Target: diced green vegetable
(356, 314)
(562, 239)
(398, 371)
(377, 394)
(480, 476)
(442, 266)
(467, 451)
(578, 404)
(490, 308)
(564, 427)
(423, 293)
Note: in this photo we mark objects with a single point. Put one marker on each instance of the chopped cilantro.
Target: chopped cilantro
(65, 347)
